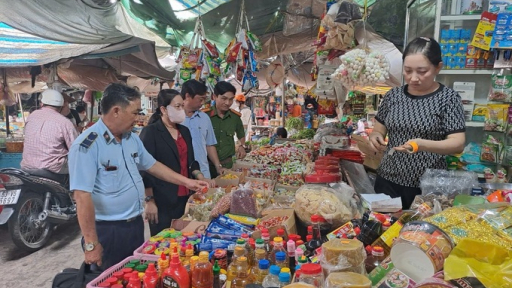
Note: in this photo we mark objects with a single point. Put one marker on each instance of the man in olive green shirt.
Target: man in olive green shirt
(226, 123)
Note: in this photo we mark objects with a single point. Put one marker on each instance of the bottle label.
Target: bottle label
(391, 233)
(169, 282)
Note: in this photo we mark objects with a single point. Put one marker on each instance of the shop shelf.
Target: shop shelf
(460, 17)
(467, 71)
(474, 124)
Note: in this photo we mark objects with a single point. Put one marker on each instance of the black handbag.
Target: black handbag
(75, 278)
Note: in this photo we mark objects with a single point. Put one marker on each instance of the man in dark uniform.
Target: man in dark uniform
(226, 123)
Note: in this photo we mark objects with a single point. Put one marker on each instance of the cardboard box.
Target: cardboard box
(289, 226)
(229, 182)
(185, 225)
(372, 159)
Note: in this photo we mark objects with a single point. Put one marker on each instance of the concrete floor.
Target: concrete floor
(23, 270)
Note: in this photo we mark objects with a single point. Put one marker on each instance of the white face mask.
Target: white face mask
(175, 115)
(82, 116)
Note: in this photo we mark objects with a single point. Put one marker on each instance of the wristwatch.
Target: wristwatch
(149, 198)
(88, 247)
(220, 165)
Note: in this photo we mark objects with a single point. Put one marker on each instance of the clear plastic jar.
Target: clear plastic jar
(312, 274)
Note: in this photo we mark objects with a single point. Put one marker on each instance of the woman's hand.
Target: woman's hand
(151, 212)
(197, 185)
(408, 146)
(377, 142)
(211, 182)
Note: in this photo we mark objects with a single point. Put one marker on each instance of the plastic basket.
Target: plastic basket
(118, 267)
(10, 160)
(138, 253)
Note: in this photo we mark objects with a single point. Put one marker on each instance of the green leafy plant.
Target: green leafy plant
(294, 123)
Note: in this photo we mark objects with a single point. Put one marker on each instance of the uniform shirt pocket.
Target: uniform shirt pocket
(109, 180)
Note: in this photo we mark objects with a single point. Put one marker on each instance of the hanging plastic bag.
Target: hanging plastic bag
(255, 42)
(489, 263)
(211, 48)
(233, 53)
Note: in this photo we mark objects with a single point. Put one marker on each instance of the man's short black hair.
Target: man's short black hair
(80, 108)
(193, 88)
(117, 94)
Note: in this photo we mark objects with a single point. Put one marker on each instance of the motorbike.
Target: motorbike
(32, 206)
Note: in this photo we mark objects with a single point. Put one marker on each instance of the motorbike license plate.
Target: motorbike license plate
(9, 197)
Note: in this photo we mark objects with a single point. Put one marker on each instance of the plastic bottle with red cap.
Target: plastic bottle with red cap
(316, 241)
(266, 239)
(281, 233)
(150, 279)
(134, 281)
(176, 276)
(376, 257)
(312, 274)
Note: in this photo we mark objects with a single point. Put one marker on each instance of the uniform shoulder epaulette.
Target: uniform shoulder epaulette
(87, 142)
(235, 112)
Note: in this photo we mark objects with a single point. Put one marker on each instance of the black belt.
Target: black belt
(121, 221)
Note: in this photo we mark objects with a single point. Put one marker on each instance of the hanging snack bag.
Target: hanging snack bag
(211, 48)
(186, 74)
(213, 66)
(501, 88)
(232, 55)
(496, 118)
(490, 149)
(255, 42)
(479, 113)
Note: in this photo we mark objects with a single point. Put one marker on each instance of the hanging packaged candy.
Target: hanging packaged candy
(240, 37)
(184, 52)
(186, 74)
(213, 66)
(228, 48)
(191, 59)
(253, 62)
(501, 88)
(496, 118)
(360, 68)
(250, 81)
(239, 73)
(211, 82)
(200, 59)
(211, 48)
(233, 52)
(255, 42)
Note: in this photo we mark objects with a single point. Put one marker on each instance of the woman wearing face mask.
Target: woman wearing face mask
(170, 143)
(424, 120)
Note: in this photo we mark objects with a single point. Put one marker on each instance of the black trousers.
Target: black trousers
(167, 214)
(394, 190)
(119, 239)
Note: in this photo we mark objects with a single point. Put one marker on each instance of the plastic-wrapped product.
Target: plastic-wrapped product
(449, 183)
(243, 202)
(323, 201)
(343, 255)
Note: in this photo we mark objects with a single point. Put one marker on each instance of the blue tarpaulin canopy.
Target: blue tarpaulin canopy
(20, 49)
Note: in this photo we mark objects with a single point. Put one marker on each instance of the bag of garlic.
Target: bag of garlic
(361, 68)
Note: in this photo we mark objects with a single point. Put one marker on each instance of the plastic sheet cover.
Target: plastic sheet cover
(446, 182)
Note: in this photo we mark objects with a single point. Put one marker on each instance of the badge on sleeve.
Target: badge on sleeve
(87, 142)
